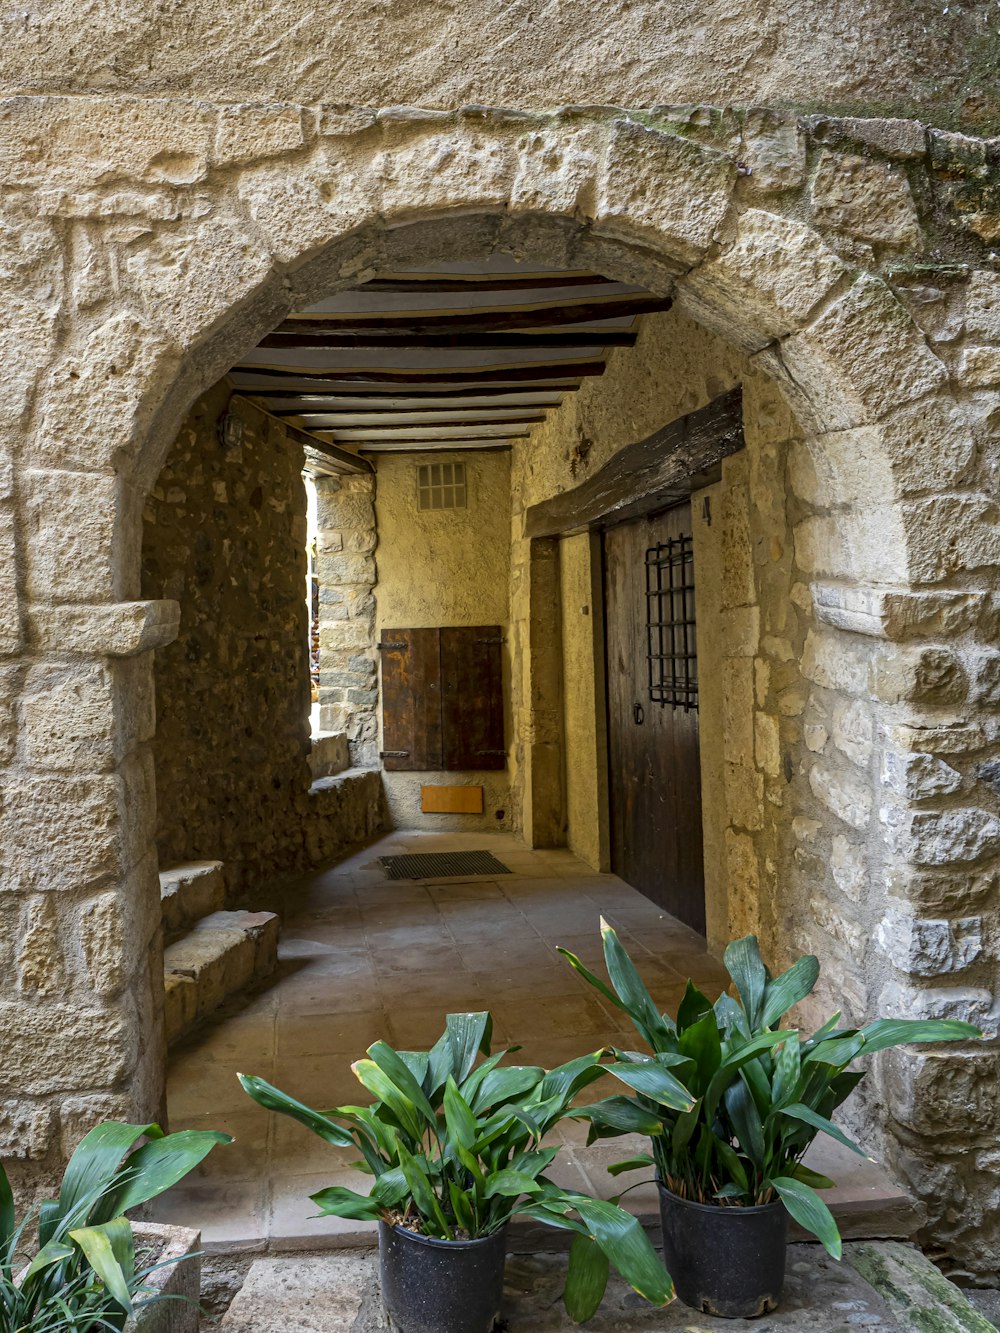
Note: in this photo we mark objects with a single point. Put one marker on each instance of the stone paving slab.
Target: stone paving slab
(883, 1286)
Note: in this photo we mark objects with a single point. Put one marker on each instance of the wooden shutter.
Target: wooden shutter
(472, 698)
(411, 700)
(442, 699)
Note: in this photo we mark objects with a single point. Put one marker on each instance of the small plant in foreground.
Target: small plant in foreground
(730, 1100)
(72, 1267)
(455, 1147)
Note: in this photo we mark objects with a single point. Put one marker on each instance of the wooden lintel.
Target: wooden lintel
(647, 475)
(471, 282)
(340, 460)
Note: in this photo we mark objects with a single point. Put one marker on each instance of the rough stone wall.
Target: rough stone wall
(224, 535)
(863, 57)
(147, 243)
(345, 570)
(445, 567)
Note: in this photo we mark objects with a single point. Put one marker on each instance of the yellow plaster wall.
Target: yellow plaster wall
(583, 699)
(446, 567)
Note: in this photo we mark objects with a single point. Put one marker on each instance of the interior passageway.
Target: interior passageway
(364, 958)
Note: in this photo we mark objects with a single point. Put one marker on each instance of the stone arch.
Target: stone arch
(602, 190)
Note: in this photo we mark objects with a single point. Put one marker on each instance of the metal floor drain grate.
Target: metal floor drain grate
(442, 865)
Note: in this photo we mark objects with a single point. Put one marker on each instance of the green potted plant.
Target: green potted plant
(731, 1101)
(72, 1268)
(454, 1143)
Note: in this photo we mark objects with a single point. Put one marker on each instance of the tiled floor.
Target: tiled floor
(364, 958)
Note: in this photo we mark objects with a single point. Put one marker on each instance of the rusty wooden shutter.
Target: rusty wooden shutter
(472, 698)
(411, 700)
(442, 699)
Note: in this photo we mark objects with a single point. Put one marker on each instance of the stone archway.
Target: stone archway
(230, 231)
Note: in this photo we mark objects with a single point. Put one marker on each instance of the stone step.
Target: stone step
(882, 1287)
(330, 754)
(219, 957)
(188, 893)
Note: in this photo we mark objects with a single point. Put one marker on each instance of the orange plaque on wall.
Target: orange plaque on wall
(451, 800)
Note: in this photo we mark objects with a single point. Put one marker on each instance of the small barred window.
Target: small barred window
(441, 485)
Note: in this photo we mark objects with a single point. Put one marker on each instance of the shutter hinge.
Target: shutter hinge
(389, 645)
(496, 638)
(503, 752)
(394, 754)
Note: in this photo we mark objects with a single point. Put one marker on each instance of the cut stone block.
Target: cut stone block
(188, 893)
(221, 956)
(329, 755)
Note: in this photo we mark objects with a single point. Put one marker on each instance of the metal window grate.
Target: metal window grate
(441, 486)
(441, 865)
(670, 624)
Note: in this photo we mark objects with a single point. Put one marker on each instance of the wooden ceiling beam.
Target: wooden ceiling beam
(433, 379)
(433, 282)
(357, 421)
(395, 339)
(441, 446)
(413, 324)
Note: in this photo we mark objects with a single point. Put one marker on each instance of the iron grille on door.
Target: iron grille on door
(670, 624)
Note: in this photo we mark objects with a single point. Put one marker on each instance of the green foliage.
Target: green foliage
(454, 1143)
(730, 1100)
(78, 1274)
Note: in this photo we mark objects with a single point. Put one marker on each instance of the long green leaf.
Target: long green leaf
(632, 990)
(102, 1245)
(508, 1184)
(462, 1124)
(390, 1188)
(468, 1034)
(788, 989)
(630, 1164)
(94, 1164)
(745, 966)
(422, 1193)
(746, 1121)
(396, 1103)
(396, 1069)
(819, 1122)
(620, 1115)
(586, 1279)
(809, 1210)
(53, 1252)
(273, 1099)
(623, 1240)
(886, 1032)
(8, 1217)
(158, 1165)
(503, 1085)
(654, 1082)
(693, 1006)
(336, 1201)
(565, 1080)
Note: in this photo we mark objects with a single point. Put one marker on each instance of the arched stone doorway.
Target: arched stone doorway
(889, 532)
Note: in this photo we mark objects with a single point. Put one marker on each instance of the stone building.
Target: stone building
(808, 203)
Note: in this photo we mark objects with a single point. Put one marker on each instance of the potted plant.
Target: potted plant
(455, 1146)
(78, 1272)
(731, 1101)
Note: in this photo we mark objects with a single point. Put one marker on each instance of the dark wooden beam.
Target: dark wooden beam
(372, 394)
(435, 377)
(473, 282)
(415, 324)
(393, 339)
(648, 475)
(444, 447)
(356, 420)
(336, 459)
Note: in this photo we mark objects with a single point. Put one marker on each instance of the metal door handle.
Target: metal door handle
(639, 714)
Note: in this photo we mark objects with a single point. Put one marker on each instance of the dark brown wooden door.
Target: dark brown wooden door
(655, 776)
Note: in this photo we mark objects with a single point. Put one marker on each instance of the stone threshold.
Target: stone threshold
(884, 1285)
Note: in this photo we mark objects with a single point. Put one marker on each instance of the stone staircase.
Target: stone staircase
(209, 954)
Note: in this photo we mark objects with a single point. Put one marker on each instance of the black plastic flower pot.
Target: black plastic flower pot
(725, 1261)
(441, 1286)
